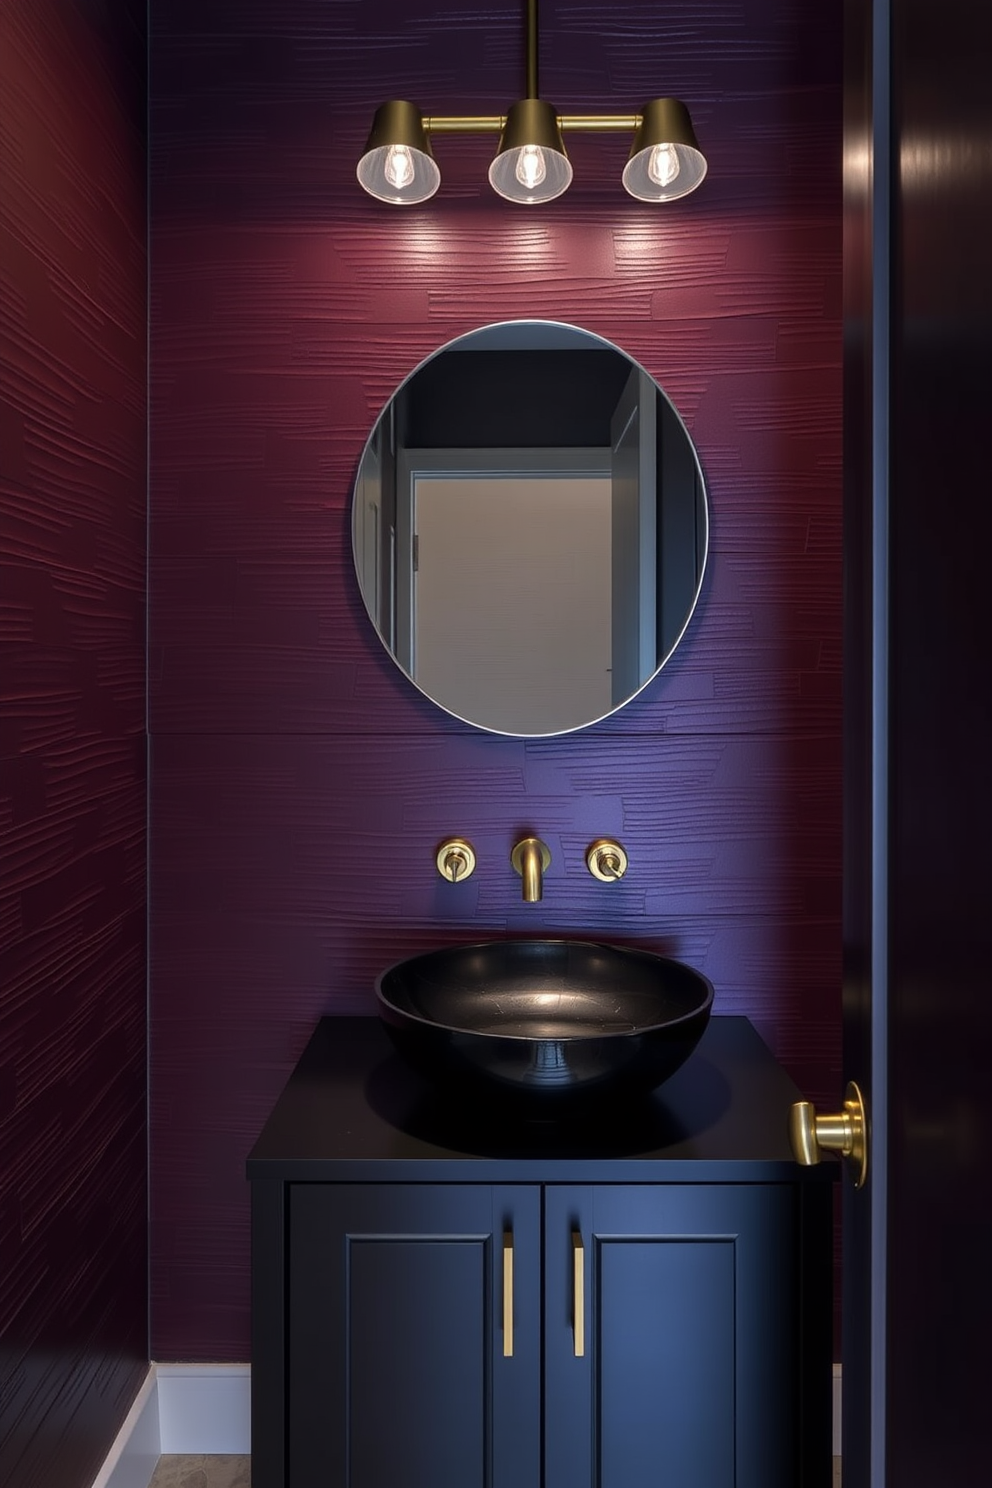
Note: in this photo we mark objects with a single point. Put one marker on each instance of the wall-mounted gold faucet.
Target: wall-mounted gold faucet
(530, 858)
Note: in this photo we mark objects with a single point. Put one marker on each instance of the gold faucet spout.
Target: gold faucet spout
(530, 858)
(530, 872)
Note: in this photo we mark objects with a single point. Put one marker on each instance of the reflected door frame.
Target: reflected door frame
(417, 470)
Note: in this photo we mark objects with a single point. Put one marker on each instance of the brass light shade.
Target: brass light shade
(665, 159)
(398, 166)
(531, 165)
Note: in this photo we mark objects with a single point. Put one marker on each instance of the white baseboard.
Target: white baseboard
(137, 1446)
(206, 1408)
(187, 1409)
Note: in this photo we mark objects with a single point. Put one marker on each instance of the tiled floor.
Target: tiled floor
(202, 1472)
(235, 1472)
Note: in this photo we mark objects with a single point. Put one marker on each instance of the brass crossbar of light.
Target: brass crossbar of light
(496, 123)
(531, 165)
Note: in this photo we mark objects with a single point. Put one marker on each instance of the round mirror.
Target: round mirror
(530, 528)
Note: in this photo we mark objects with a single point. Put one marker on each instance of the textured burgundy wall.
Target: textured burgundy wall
(299, 786)
(73, 1229)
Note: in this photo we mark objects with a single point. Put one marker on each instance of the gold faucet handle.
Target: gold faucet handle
(455, 859)
(606, 860)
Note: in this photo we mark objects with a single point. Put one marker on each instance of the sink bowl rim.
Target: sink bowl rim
(702, 1008)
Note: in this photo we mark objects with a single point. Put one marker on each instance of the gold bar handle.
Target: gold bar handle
(507, 1294)
(578, 1294)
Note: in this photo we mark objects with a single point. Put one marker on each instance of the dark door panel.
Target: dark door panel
(918, 807)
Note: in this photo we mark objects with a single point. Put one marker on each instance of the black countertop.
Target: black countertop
(353, 1112)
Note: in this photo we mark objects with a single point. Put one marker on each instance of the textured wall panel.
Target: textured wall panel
(73, 1243)
(299, 785)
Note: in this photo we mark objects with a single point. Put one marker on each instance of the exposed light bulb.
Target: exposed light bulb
(531, 168)
(663, 167)
(398, 168)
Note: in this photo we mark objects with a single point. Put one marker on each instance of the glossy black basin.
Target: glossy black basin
(545, 1022)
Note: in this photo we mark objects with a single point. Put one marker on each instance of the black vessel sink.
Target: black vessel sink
(547, 1023)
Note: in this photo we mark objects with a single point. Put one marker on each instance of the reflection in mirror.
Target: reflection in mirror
(530, 528)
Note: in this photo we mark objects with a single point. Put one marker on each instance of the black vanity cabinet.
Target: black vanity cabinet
(447, 1301)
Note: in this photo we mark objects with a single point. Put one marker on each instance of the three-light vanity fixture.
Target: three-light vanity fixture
(530, 165)
(605, 859)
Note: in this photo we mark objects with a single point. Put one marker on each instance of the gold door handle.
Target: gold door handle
(578, 1295)
(846, 1132)
(507, 1294)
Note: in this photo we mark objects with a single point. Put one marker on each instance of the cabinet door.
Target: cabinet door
(688, 1377)
(398, 1370)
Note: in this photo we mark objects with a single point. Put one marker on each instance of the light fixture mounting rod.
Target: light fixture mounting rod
(530, 48)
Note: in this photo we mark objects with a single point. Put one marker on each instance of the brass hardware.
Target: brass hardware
(606, 860)
(507, 1294)
(398, 164)
(601, 123)
(531, 164)
(530, 858)
(578, 1295)
(496, 123)
(464, 123)
(845, 1132)
(455, 859)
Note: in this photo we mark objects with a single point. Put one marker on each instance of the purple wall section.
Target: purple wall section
(299, 786)
(73, 1227)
